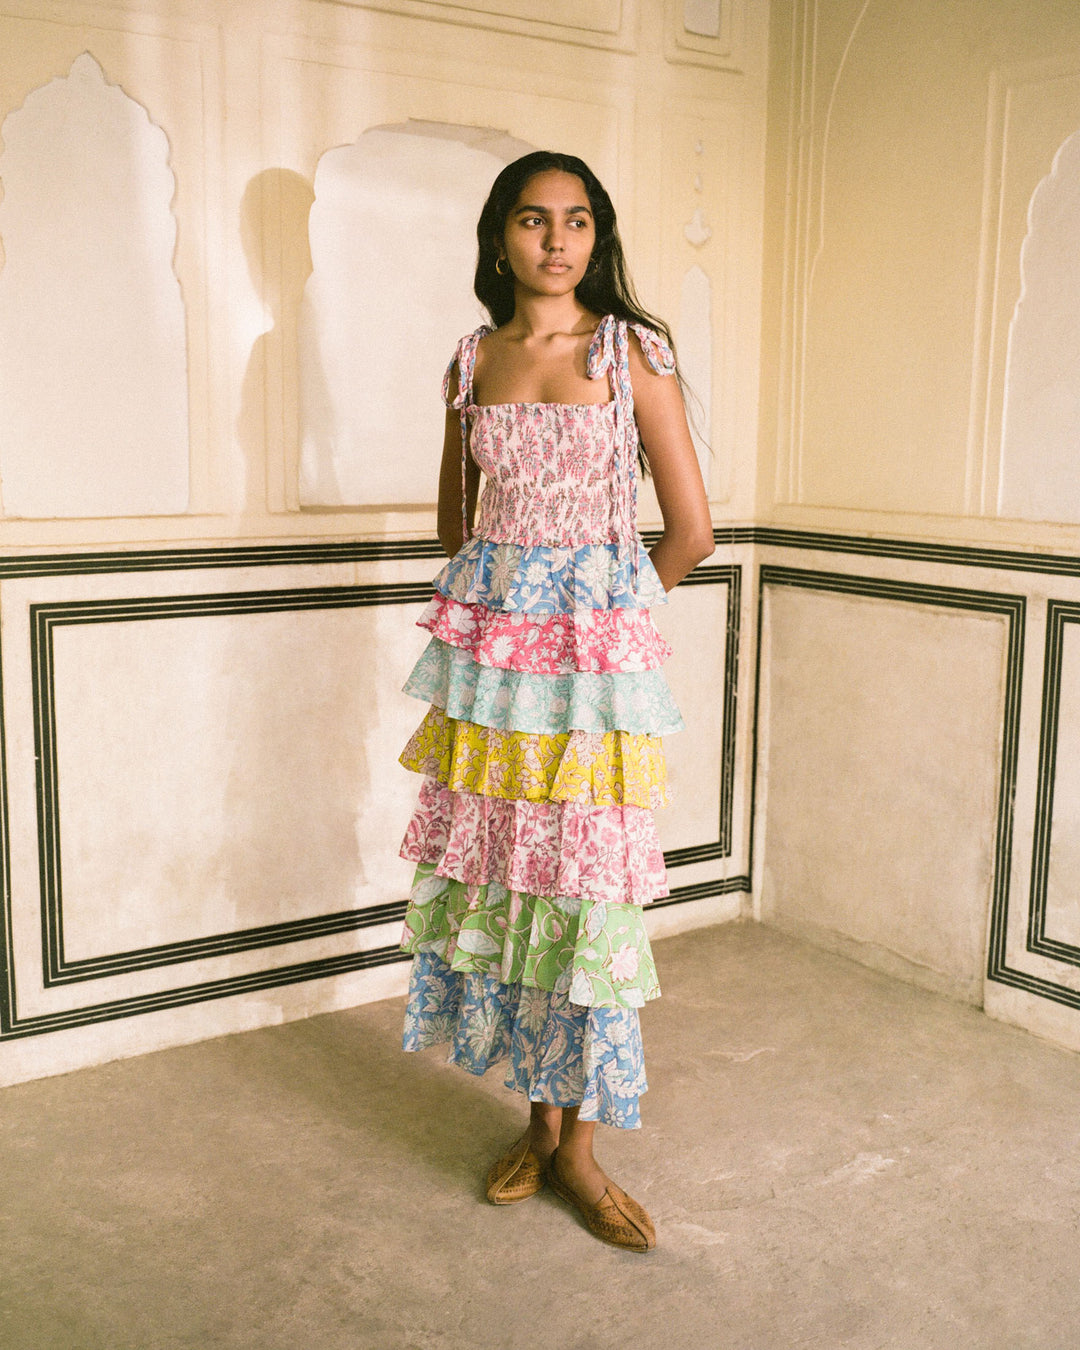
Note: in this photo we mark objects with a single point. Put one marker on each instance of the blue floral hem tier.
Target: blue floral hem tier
(549, 579)
(639, 702)
(557, 1051)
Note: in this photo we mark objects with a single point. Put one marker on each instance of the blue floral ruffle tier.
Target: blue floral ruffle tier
(556, 1051)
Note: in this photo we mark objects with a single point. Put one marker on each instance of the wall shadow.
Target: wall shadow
(274, 214)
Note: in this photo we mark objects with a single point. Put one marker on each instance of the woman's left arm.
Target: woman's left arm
(661, 417)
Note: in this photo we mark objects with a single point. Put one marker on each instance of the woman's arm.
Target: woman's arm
(658, 407)
(450, 534)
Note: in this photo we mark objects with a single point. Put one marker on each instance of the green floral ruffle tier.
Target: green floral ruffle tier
(597, 953)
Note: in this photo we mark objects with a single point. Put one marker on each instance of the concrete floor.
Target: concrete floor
(832, 1160)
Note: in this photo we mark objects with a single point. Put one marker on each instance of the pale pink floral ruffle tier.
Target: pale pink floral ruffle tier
(608, 853)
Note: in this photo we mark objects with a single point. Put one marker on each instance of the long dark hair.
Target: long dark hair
(605, 288)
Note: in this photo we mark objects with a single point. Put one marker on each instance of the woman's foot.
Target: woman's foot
(543, 1131)
(519, 1173)
(582, 1174)
(516, 1176)
(613, 1217)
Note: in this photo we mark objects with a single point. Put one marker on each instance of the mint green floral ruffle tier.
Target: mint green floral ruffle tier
(598, 954)
(639, 702)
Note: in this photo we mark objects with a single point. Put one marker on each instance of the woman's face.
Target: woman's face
(549, 234)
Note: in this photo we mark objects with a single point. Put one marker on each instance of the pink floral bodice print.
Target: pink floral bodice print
(558, 474)
(549, 470)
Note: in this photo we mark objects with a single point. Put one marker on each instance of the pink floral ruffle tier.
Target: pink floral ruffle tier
(608, 853)
(584, 640)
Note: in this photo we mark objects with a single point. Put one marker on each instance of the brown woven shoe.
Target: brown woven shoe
(516, 1175)
(615, 1218)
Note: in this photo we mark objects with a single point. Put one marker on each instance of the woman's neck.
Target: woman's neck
(546, 315)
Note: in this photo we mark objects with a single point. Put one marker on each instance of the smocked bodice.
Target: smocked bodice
(582, 455)
(550, 469)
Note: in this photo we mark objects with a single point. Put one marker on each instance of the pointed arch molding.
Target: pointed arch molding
(1040, 420)
(92, 320)
(371, 256)
(1033, 113)
(812, 111)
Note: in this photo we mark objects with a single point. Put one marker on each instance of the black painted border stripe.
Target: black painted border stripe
(227, 944)
(1013, 608)
(729, 575)
(201, 993)
(186, 559)
(44, 619)
(1058, 614)
(911, 550)
(701, 890)
(387, 550)
(694, 853)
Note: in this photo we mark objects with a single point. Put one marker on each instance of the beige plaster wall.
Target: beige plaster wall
(882, 747)
(907, 142)
(917, 486)
(203, 649)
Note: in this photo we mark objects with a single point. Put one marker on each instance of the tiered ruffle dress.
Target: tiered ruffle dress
(533, 838)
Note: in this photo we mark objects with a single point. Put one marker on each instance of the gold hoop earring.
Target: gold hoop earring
(502, 271)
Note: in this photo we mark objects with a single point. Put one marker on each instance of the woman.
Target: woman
(534, 836)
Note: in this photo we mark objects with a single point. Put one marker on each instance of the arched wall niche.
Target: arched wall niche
(1041, 407)
(393, 249)
(93, 351)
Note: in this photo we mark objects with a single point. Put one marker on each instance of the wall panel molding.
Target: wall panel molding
(132, 51)
(1022, 951)
(45, 619)
(1010, 607)
(701, 279)
(93, 327)
(721, 47)
(607, 24)
(200, 953)
(731, 577)
(1061, 616)
(809, 123)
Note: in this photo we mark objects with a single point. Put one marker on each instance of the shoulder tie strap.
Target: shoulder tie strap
(464, 358)
(610, 352)
(658, 354)
(601, 356)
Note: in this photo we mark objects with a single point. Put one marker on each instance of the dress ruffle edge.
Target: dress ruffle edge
(604, 853)
(514, 700)
(613, 768)
(597, 954)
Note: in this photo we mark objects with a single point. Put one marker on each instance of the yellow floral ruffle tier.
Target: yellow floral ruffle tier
(612, 768)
